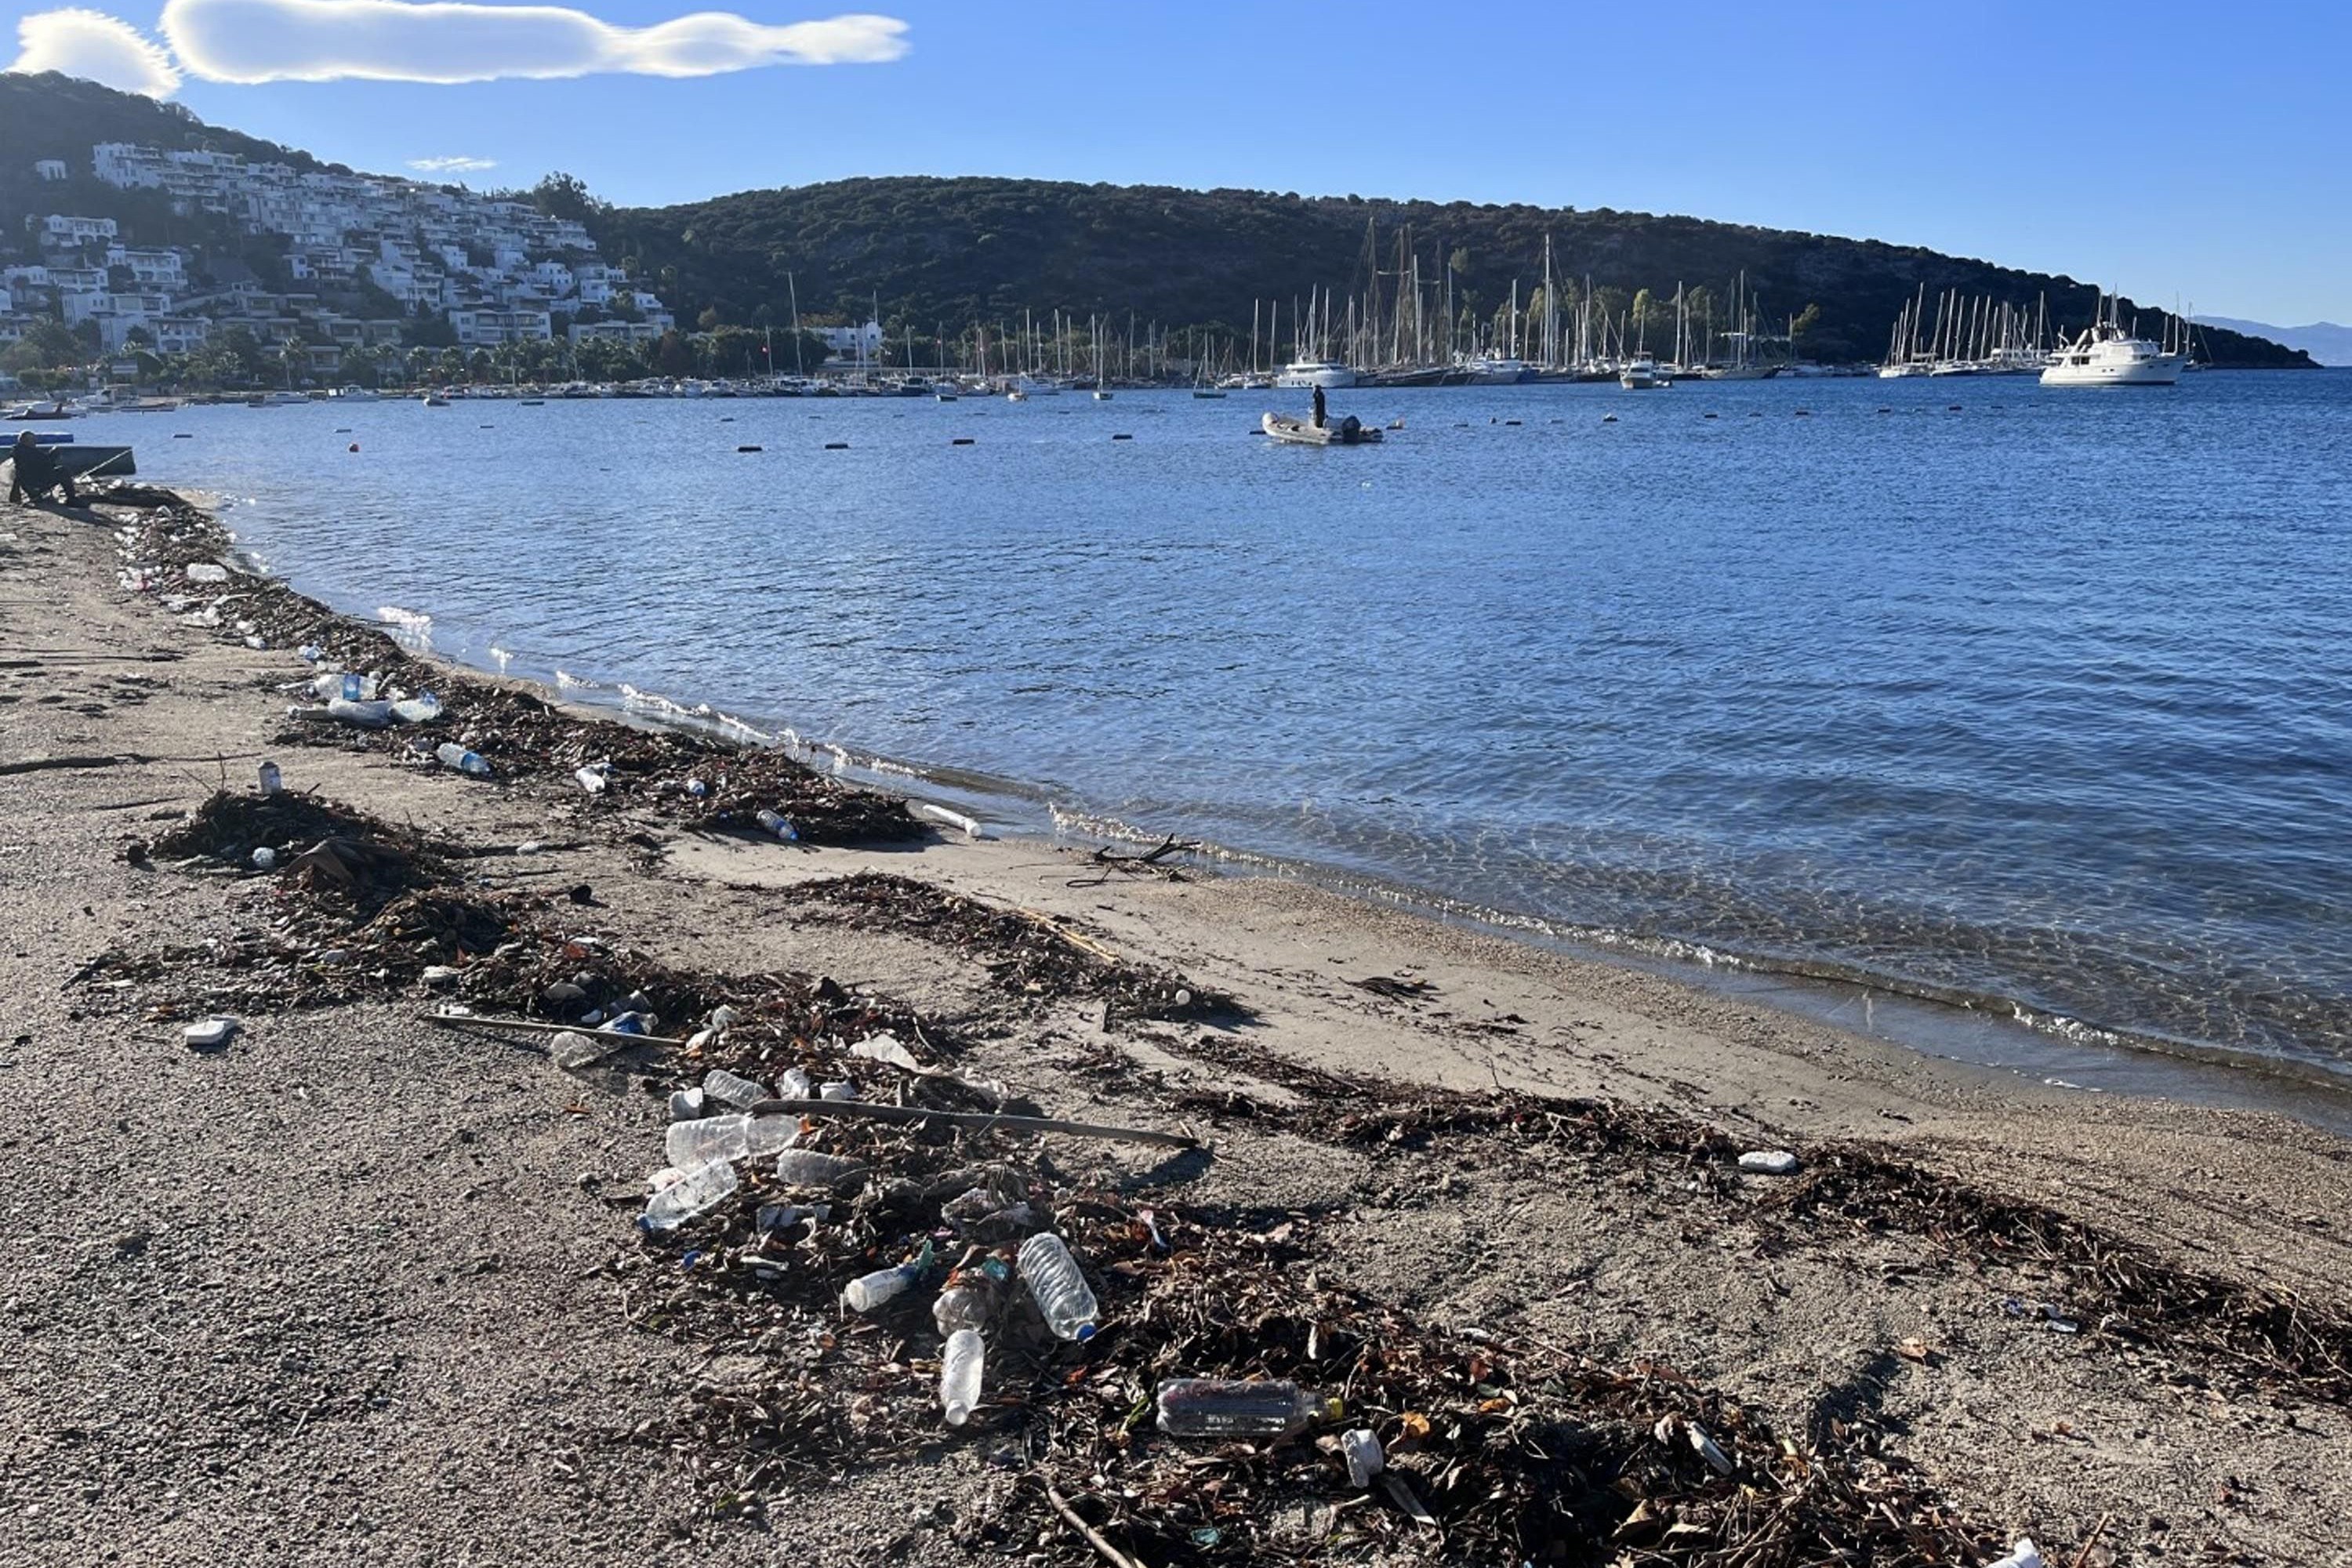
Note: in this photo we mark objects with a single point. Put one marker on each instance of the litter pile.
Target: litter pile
(1184, 1387)
(1031, 956)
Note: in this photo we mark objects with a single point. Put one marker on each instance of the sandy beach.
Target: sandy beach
(358, 1290)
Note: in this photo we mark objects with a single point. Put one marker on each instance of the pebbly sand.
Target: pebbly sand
(359, 1291)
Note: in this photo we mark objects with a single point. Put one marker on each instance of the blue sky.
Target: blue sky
(2197, 154)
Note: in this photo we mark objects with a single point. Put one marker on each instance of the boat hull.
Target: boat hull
(1348, 432)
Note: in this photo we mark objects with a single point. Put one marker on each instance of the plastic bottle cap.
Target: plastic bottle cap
(1086, 1332)
(1334, 1408)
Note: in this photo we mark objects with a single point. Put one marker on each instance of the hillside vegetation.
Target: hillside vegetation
(956, 251)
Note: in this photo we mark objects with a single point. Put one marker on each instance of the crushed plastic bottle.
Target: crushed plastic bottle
(971, 1297)
(421, 709)
(696, 1190)
(766, 1135)
(713, 1138)
(2024, 1554)
(1060, 1288)
(794, 1084)
(960, 1370)
(1219, 1407)
(1361, 1451)
(840, 1088)
(807, 1168)
(363, 715)
(733, 1088)
(777, 825)
(453, 755)
(686, 1105)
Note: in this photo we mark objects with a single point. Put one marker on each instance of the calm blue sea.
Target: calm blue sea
(2038, 700)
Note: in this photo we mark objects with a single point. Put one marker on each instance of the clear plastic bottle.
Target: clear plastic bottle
(421, 709)
(698, 1191)
(766, 1135)
(453, 755)
(870, 1290)
(692, 1143)
(1218, 1408)
(723, 1088)
(777, 825)
(960, 1370)
(971, 1298)
(807, 1168)
(1060, 1288)
(794, 1084)
(360, 714)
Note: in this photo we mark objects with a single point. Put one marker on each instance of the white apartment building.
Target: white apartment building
(489, 328)
(61, 232)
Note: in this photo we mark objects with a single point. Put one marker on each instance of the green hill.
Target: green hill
(962, 250)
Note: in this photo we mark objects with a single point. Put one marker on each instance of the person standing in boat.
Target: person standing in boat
(1318, 405)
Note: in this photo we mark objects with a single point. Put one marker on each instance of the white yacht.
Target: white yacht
(2106, 355)
(1641, 375)
(1497, 369)
(1329, 373)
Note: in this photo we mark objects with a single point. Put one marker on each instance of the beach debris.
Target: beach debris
(720, 1087)
(594, 778)
(1359, 1450)
(2024, 1554)
(1059, 1287)
(263, 858)
(1769, 1162)
(940, 816)
(573, 1051)
(960, 1365)
(867, 1291)
(459, 758)
(777, 823)
(885, 1048)
(209, 1033)
(205, 572)
(687, 1195)
(1228, 1407)
(1395, 987)
(441, 974)
(270, 779)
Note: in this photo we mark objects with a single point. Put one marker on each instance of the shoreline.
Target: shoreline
(1932, 1021)
(268, 1274)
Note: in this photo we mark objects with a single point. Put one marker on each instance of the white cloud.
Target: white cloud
(457, 41)
(452, 166)
(87, 43)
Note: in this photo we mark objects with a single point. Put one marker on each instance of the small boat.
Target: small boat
(435, 400)
(1641, 375)
(34, 411)
(1208, 392)
(1348, 432)
(2107, 355)
(1102, 395)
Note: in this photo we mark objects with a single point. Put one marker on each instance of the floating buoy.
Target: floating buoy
(1886, 411)
(355, 447)
(342, 429)
(1804, 413)
(727, 419)
(747, 448)
(1513, 422)
(182, 436)
(1609, 419)
(1707, 417)
(961, 441)
(1122, 437)
(837, 446)
(1951, 409)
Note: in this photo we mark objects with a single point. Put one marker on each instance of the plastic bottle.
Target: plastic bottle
(777, 825)
(766, 1135)
(353, 685)
(1215, 1407)
(733, 1088)
(699, 1190)
(421, 709)
(960, 1370)
(794, 1084)
(692, 1143)
(806, 1168)
(365, 715)
(1061, 1290)
(272, 781)
(1362, 1452)
(453, 755)
(592, 779)
(870, 1290)
(970, 1299)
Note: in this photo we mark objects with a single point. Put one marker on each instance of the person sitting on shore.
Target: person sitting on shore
(1318, 406)
(36, 472)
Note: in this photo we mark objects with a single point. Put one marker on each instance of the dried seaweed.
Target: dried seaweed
(1028, 955)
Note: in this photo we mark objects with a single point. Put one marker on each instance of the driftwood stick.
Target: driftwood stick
(534, 1027)
(1103, 1549)
(1083, 943)
(43, 765)
(981, 1119)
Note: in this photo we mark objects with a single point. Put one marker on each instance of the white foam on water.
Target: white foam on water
(567, 681)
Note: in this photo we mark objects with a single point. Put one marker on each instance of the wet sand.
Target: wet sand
(347, 1289)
